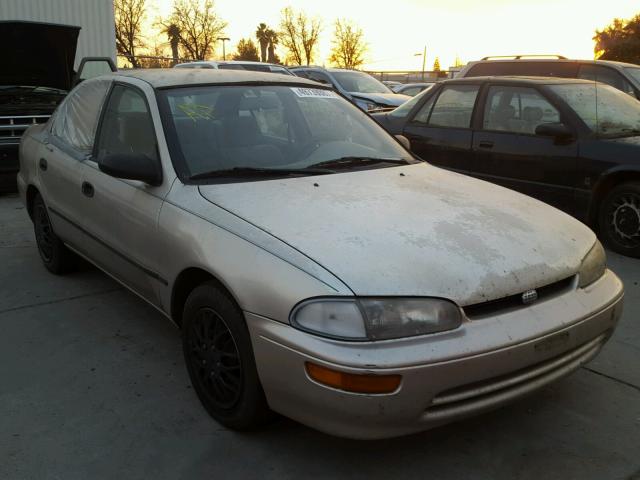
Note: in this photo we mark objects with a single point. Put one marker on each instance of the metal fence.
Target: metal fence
(148, 61)
(410, 76)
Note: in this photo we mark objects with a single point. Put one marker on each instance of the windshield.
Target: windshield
(634, 72)
(251, 131)
(404, 109)
(359, 82)
(607, 111)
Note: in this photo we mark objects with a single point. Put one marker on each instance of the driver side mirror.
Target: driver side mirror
(559, 131)
(131, 166)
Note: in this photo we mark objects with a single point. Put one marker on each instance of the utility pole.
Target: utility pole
(223, 40)
(424, 59)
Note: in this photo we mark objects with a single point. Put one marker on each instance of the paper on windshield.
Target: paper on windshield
(313, 92)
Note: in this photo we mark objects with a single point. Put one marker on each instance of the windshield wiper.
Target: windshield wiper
(259, 172)
(356, 161)
(623, 132)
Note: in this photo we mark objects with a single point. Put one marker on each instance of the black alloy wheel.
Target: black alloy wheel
(57, 258)
(214, 357)
(219, 357)
(45, 237)
(619, 220)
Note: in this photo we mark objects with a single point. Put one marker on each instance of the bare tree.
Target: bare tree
(156, 58)
(299, 35)
(349, 46)
(129, 16)
(198, 27)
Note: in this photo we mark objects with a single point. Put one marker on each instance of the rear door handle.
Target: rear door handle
(87, 189)
(485, 144)
(42, 164)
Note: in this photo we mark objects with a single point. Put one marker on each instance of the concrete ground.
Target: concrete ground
(92, 385)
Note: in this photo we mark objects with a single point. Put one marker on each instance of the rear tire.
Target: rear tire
(219, 356)
(619, 219)
(57, 258)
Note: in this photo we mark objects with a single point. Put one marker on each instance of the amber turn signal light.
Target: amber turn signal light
(350, 382)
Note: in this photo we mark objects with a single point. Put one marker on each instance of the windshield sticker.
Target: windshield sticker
(196, 112)
(314, 92)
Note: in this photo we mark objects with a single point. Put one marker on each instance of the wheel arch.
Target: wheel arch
(605, 184)
(31, 193)
(186, 281)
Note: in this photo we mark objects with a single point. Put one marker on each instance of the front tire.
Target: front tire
(619, 219)
(219, 357)
(57, 258)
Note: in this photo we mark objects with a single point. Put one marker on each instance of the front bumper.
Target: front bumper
(445, 377)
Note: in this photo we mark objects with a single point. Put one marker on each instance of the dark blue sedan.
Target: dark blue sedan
(574, 144)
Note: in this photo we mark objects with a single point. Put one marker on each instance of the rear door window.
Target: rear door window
(77, 117)
(606, 75)
(454, 107)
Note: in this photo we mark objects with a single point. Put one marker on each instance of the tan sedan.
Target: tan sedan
(315, 267)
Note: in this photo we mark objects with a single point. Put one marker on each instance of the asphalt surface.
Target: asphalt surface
(92, 386)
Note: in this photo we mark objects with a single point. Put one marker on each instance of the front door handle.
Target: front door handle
(87, 189)
(485, 144)
(42, 164)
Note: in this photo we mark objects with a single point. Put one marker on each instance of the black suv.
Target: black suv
(574, 144)
(36, 75)
(623, 76)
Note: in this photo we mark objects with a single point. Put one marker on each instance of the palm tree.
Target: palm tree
(272, 36)
(173, 33)
(262, 34)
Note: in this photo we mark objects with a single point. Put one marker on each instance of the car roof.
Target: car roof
(316, 67)
(171, 77)
(418, 84)
(559, 60)
(230, 62)
(520, 79)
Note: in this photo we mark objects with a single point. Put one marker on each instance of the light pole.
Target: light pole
(424, 59)
(223, 40)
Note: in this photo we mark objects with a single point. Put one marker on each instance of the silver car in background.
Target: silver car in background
(314, 266)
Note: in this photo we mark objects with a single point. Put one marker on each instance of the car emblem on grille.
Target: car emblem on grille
(529, 296)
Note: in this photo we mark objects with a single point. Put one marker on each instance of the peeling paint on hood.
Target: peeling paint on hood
(428, 232)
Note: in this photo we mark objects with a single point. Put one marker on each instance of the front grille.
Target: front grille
(12, 127)
(512, 302)
(494, 391)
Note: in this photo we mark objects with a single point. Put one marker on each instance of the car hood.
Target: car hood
(394, 99)
(38, 54)
(415, 230)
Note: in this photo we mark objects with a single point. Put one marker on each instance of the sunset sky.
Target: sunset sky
(397, 29)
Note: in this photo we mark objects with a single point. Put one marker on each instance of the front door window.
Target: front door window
(127, 127)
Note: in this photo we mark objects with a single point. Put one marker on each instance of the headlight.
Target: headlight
(376, 318)
(593, 265)
(366, 106)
